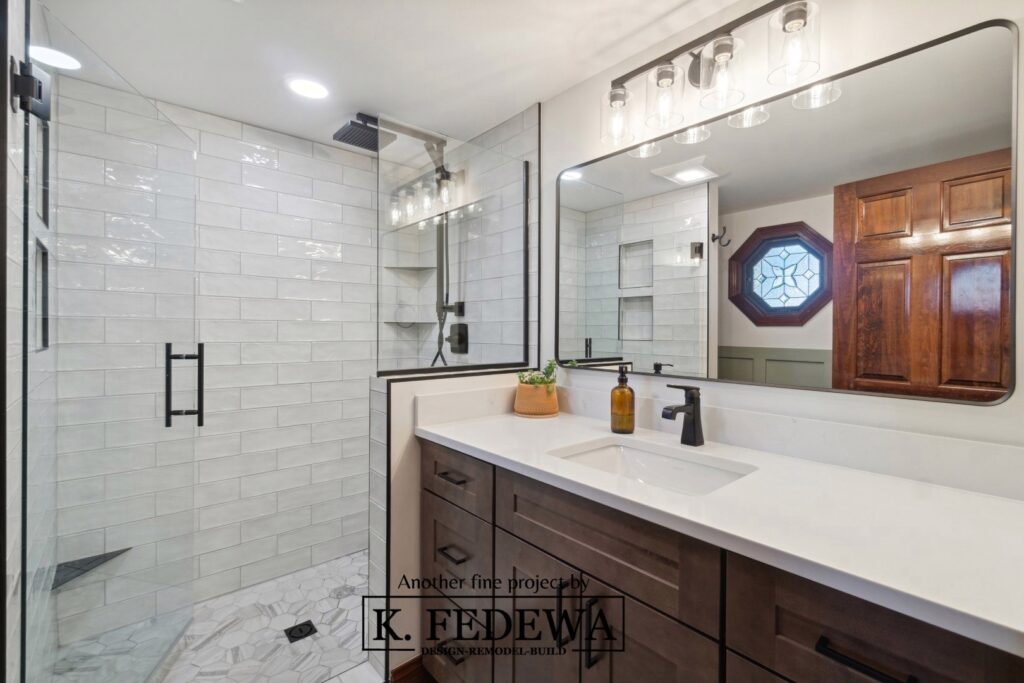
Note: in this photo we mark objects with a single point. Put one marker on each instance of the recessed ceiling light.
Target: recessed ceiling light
(571, 175)
(308, 88)
(54, 58)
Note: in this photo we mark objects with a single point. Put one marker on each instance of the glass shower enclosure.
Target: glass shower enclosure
(111, 371)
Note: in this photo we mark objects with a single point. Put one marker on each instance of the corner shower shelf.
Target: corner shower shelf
(72, 569)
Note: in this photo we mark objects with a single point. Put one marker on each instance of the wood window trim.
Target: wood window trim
(743, 298)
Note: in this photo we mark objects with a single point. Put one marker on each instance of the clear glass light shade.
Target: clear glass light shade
(817, 96)
(794, 43)
(426, 199)
(396, 211)
(409, 202)
(720, 86)
(664, 88)
(645, 151)
(616, 128)
(749, 117)
(692, 136)
(444, 191)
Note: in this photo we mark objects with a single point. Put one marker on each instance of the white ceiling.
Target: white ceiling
(946, 102)
(457, 67)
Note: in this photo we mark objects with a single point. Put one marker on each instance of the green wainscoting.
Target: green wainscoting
(787, 367)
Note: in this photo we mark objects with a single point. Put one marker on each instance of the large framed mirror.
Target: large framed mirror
(857, 235)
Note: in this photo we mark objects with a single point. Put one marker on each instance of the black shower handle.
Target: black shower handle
(169, 357)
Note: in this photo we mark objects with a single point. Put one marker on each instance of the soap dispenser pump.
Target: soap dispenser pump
(623, 405)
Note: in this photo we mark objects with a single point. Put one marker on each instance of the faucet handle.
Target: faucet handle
(691, 391)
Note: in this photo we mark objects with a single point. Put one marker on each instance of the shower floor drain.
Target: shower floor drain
(300, 631)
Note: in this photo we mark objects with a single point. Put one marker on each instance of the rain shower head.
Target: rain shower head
(365, 134)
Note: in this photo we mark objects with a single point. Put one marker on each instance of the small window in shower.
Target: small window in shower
(42, 297)
(636, 264)
(636, 318)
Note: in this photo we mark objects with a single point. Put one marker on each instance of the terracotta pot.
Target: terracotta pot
(535, 400)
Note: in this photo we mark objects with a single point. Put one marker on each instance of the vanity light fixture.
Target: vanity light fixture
(749, 117)
(793, 43)
(54, 58)
(615, 112)
(720, 86)
(444, 191)
(307, 88)
(665, 84)
(645, 151)
(692, 136)
(817, 96)
(571, 175)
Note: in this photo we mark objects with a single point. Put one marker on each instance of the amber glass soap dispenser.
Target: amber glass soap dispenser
(623, 405)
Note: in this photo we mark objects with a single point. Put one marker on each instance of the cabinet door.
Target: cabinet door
(644, 645)
(513, 663)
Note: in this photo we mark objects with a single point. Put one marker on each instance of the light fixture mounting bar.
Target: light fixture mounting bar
(699, 42)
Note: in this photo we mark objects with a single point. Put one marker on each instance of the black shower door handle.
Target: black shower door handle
(169, 358)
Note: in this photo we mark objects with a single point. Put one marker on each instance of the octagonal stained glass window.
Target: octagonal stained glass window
(785, 276)
(782, 274)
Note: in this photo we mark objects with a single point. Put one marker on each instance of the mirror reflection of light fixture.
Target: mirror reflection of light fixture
(793, 43)
(749, 117)
(665, 84)
(720, 85)
(615, 111)
(692, 136)
(396, 212)
(410, 204)
(571, 175)
(645, 151)
(817, 96)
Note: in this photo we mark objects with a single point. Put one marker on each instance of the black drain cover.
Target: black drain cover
(300, 631)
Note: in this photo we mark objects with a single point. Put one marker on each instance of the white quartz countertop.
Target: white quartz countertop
(948, 557)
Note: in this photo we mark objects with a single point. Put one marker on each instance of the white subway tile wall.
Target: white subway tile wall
(644, 297)
(261, 246)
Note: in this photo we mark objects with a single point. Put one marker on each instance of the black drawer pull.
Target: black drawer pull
(453, 656)
(454, 559)
(453, 477)
(561, 640)
(822, 647)
(589, 658)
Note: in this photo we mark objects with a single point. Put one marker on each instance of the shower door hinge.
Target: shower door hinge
(30, 89)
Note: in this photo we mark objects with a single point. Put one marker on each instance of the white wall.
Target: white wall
(734, 328)
(852, 34)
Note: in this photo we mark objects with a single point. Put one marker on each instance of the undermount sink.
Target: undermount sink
(665, 467)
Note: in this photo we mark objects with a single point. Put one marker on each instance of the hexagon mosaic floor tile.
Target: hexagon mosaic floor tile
(240, 637)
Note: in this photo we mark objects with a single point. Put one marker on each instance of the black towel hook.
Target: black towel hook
(721, 239)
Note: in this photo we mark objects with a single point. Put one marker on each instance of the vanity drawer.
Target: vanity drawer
(458, 478)
(813, 634)
(739, 670)
(455, 544)
(675, 574)
(454, 661)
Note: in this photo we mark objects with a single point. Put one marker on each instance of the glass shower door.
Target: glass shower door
(113, 392)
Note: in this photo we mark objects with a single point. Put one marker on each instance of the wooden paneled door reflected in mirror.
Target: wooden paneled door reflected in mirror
(908, 189)
(922, 281)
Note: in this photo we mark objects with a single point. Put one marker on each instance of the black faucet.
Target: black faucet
(693, 435)
(659, 366)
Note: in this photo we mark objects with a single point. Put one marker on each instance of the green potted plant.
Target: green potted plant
(537, 395)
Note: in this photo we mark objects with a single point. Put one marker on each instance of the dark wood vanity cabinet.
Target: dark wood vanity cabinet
(810, 633)
(680, 610)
